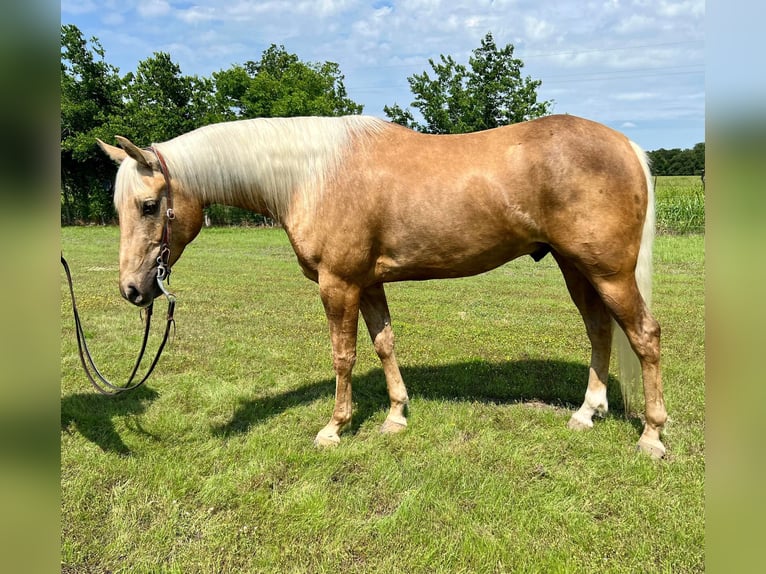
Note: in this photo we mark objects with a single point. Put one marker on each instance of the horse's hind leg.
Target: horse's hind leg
(374, 309)
(598, 324)
(621, 294)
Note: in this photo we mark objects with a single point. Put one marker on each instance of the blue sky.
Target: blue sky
(635, 65)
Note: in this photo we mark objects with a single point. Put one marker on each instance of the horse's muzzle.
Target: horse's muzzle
(141, 296)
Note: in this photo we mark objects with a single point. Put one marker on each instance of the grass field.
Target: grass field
(680, 204)
(211, 467)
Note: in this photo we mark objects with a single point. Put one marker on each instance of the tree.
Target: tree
(488, 93)
(280, 85)
(91, 93)
(162, 103)
(678, 161)
(698, 153)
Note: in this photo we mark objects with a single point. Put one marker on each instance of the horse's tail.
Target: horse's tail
(629, 365)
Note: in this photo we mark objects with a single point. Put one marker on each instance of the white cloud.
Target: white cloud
(635, 96)
(113, 18)
(244, 10)
(473, 22)
(537, 29)
(78, 6)
(687, 8)
(197, 14)
(153, 8)
(634, 24)
(328, 8)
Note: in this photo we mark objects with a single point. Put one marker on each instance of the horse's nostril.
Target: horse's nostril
(132, 294)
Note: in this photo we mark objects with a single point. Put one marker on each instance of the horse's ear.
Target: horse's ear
(116, 154)
(143, 157)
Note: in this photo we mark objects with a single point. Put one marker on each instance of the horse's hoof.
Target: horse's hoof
(653, 447)
(391, 426)
(326, 440)
(579, 424)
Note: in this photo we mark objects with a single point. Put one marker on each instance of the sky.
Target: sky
(635, 65)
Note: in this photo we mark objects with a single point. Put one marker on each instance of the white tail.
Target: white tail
(630, 368)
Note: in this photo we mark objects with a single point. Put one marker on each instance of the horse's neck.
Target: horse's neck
(267, 166)
(237, 180)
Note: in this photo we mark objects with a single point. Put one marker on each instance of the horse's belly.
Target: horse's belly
(423, 263)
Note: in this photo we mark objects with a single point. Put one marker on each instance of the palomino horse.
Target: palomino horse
(365, 202)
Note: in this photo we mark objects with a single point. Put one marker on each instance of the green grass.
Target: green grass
(211, 467)
(680, 204)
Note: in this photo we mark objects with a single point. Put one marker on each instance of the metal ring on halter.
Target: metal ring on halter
(161, 269)
(160, 282)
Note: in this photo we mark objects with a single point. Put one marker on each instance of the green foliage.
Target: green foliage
(210, 467)
(678, 162)
(91, 96)
(488, 93)
(280, 85)
(162, 103)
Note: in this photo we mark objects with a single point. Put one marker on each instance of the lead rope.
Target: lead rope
(99, 382)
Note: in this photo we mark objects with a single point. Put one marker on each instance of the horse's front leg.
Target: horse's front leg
(376, 315)
(341, 304)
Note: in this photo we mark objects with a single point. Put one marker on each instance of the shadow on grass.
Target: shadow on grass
(92, 415)
(558, 383)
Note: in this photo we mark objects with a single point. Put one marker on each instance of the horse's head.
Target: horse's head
(141, 199)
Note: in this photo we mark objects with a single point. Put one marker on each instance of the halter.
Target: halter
(101, 383)
(163, 259)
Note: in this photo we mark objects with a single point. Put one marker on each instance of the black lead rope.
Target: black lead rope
(101, 383)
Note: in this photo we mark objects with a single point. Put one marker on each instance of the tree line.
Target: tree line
(157, 102)
(678, 161)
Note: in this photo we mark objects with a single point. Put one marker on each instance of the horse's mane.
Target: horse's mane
(264, 160)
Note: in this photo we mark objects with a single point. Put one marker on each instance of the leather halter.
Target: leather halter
(163, 260)
(101, 383)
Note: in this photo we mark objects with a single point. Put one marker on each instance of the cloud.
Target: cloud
(374, 24)
(153, 8)
(78, 6)
(673, 9)
(196, 14)
(113, 18)
(537, 29)
(635, 23)
(635, 96)
(311, 9)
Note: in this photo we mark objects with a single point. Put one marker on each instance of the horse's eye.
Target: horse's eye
(149, 208)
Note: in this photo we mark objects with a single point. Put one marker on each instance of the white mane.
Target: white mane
(260, 160)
